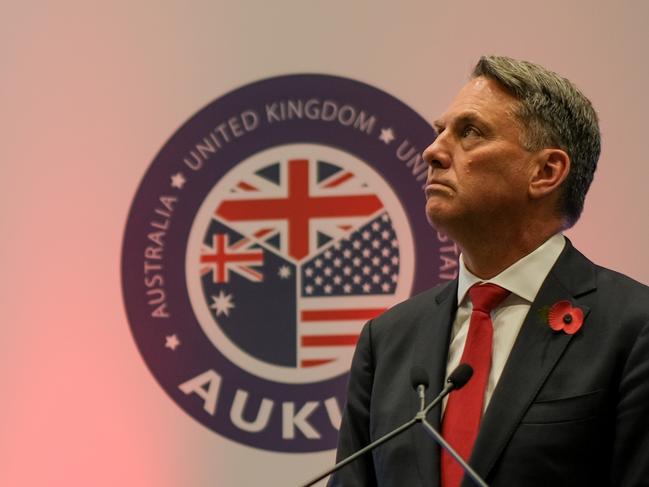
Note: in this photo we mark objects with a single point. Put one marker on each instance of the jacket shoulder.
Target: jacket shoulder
(613, 279)
(622, 295)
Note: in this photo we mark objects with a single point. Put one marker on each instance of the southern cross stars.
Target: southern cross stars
(222, 304)
(284, 272)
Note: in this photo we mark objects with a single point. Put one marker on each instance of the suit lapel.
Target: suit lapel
(430, 352)
(534, 355)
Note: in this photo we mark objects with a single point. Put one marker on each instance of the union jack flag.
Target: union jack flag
(220, 258)
(299, 205)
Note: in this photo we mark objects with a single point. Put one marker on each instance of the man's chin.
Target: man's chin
(439, 218)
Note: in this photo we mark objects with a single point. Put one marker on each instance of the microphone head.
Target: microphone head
(418, 377)
(460, 376)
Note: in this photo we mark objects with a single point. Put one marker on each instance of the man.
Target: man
(560, 393)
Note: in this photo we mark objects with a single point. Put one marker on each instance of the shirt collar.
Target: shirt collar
(524, 277)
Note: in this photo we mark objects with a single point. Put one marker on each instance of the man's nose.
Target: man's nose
(438, 153)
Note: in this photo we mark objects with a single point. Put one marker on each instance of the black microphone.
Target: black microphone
(460, 375)
(419, 381)
(458, 378)
(418, 377)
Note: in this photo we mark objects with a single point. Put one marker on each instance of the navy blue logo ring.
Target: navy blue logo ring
(269, 228)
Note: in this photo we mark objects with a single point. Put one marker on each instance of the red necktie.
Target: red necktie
(464, 408)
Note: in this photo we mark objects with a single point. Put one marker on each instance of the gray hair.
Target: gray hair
(552, 113)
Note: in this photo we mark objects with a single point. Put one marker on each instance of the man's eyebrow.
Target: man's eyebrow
(463, 118)
(469, 117)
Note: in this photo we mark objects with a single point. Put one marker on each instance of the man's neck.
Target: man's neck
(488, 257)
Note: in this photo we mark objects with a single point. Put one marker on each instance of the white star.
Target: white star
(347, 288)
(376, 244)
(338, 262)
(178, 180)
(394, 242)
(318, 263)
(385, 269)
(385, 234)
(366, 235)
(327, 254)
(327, 289)
(366, 253)
(172, 342)
(222, 304)
(284, 272)
(375, 226)
(356, 279)
(309, 271)
(387, 135)
(385, 252)
(309, 289)
(366, 270)
(357, 244)
(347, 253)
(385, 217)
(375, 261)
(338, 280)
(356, 261)
(318, 280)
(385, 286)
(328, 271)
(394, 278)
(395, 260)
(347, 270)
(376, 278)
(366, 288)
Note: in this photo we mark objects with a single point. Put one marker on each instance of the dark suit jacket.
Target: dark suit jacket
(569, 410)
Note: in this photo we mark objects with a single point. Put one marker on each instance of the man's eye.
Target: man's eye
(469, 130)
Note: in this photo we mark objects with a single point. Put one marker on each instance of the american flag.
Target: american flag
(341, 289)
(365, 262)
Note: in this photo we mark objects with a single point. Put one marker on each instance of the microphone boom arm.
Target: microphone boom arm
(364, 450)
(432, 432)
(456, 380)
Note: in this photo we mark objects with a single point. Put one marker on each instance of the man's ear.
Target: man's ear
(552, 166)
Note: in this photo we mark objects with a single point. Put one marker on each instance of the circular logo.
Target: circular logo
(270, 227)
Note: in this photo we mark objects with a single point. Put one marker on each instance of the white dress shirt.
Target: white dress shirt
(523, 279)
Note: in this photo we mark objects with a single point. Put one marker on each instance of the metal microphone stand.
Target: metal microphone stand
(420, 417)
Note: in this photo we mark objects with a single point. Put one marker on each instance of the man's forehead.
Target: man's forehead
(479, 98)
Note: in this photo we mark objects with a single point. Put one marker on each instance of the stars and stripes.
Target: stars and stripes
(330, 333)
(340, 287)
(366, 262)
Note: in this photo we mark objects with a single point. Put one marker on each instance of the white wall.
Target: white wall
(89, 91)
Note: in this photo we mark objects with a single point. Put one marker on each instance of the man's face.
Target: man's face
(478, 172)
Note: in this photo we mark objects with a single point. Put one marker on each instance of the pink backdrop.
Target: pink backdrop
(89, 91)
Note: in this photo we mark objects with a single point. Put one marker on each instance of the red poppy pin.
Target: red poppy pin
(563, 316)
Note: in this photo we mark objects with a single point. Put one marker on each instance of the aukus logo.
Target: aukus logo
(267, 231)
